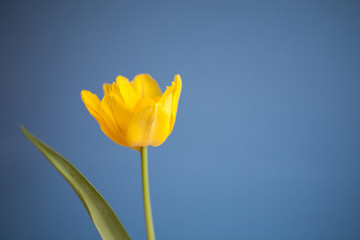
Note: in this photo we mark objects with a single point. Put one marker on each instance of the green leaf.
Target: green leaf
(104, 218)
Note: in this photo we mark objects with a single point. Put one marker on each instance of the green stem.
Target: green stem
(146, 194)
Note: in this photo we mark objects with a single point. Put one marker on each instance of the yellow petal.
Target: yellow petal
(166, 100)
(127, 92)
(93, 105)
(146, 86)
(143, 103)
(91, 102)
(107, 114)
(176, 95)
(107, 88)
(138, 131)
(160, 127)
(121, 113)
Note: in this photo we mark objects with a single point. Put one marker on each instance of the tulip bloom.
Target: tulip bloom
(135, 114)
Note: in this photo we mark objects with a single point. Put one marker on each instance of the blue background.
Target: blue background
(267, 140)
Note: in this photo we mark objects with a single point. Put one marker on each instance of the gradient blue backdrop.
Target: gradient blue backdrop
(267, 140)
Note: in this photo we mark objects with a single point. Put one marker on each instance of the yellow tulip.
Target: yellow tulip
(135, 114)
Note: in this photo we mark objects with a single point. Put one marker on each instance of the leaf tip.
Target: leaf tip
(24, 131)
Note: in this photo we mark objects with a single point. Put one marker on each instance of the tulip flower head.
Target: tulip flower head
(135, 114)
